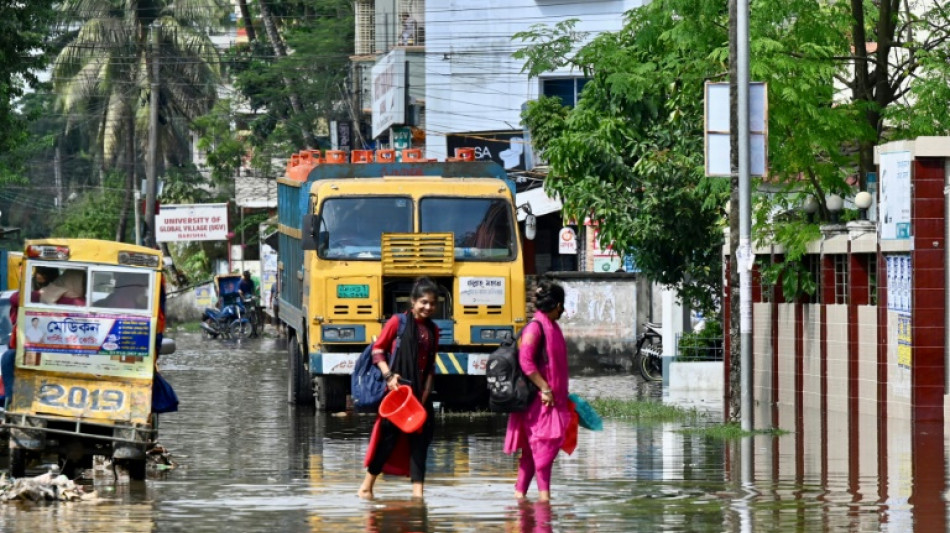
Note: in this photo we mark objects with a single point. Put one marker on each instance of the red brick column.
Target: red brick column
(928, 368)
(928, 310)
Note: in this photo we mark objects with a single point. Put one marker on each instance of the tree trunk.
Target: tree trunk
(735, 362)
(861, 88)
(280, 51)
(248, 23)
(129, 179)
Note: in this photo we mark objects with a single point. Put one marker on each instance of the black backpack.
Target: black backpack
(509, 391)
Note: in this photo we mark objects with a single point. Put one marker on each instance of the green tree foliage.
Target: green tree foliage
(320, 40)
(631, 154)
(94, 214)
(104, 74)
(23, 44)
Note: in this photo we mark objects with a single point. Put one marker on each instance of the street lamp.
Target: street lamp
(810, 206)
(835, 204)
(863, 201)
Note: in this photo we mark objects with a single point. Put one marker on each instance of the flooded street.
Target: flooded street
(247, 461)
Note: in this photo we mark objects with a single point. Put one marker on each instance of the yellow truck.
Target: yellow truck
(353, 238)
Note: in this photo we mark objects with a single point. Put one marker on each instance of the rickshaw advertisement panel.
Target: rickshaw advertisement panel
(87, 343)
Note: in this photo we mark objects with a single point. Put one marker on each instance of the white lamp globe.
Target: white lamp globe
(862, 200)
(810, 205)
(834, 203)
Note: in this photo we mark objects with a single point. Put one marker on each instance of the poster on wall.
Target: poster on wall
(904, 346)
(268, 273)
(895, 195)
(899, 274)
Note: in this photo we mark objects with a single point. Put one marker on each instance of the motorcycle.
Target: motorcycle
(230, 321)
(649, 357)
(254, 314)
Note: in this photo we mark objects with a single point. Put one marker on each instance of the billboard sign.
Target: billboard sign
(388, 91)
(192, 222)
(506, 148)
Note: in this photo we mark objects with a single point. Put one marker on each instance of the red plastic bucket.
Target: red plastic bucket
(403, 409)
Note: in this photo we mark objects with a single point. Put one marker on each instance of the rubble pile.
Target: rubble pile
(45, 487)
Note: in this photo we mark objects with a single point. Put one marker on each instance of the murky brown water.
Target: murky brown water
(249, 462)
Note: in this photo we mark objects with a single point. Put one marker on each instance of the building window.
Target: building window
(841, 278)
(813, 266)
(872, 278)
(567, 89)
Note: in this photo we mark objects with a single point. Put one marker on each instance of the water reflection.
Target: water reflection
(250, 462)
(397, 517)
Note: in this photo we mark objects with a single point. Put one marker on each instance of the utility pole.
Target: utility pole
(744, 253)
(58, 178)
(151, 178)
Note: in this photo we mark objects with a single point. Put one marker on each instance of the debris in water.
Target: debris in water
(159, 456)
(45, 487)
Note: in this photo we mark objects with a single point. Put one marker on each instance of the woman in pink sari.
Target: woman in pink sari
(540, 430)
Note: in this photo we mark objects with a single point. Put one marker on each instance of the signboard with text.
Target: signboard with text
(88, 343)
(192, 222)
(507, 148)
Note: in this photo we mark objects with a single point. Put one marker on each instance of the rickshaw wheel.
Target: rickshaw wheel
(18, 459)
(240, 329)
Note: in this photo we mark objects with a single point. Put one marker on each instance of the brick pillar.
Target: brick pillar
(927, 300)
(928, 368)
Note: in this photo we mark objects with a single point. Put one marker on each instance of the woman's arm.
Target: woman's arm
(531, 345)
(382, 347)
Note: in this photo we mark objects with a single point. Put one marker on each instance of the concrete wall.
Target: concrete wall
(602, 317)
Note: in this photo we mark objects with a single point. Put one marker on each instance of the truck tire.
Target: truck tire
(330, 393)
(299, 389)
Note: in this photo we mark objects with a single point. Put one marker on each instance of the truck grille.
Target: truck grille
(480, 309)
(343, 310)
(415, 254)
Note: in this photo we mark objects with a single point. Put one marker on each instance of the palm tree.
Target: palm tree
(103, 77)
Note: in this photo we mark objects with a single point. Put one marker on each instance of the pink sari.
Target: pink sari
(543, 428)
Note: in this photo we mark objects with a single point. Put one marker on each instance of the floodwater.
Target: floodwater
(247, 461)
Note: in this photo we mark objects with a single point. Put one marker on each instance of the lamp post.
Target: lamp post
(835, 204)
(863, 201)
(810, 206)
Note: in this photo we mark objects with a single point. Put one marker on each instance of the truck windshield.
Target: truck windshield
(353, 227)
(482, 226)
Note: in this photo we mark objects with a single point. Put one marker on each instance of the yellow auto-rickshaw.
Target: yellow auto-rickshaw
(88, 325)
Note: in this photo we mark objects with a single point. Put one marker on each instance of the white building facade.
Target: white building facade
(472, 82)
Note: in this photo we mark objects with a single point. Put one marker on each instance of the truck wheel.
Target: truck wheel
(330, 393)
(299, 389)
(18, 460)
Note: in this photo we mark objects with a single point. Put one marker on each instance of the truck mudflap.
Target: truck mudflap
(449, 363)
